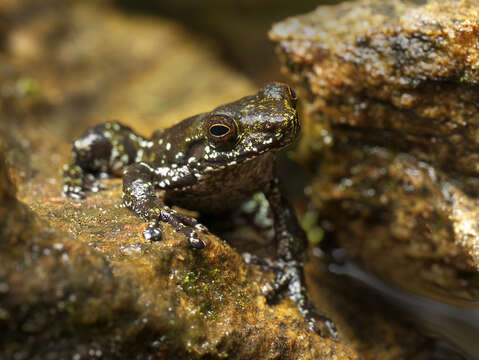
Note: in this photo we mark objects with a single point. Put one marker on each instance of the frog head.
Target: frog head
(251, 126)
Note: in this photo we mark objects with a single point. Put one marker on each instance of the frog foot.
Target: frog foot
(76, 183)
(74, 192)
(79, 192)
(183, 224)
(290, 278)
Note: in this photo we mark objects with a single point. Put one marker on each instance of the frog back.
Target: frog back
(225, 190)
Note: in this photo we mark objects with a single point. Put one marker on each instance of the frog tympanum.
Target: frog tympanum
(211, 163)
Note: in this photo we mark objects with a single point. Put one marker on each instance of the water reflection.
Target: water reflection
(454, 324)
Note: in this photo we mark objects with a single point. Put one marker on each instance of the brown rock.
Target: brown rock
(77, 279)
(391, 97)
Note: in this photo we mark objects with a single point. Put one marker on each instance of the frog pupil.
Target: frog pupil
(219, 130)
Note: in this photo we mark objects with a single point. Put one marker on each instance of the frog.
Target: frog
(210, 163)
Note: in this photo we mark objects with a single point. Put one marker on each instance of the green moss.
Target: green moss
(4, 315)
(465, 79)
(315, 235)
(309, 220)
(313, 231)
(27, 87)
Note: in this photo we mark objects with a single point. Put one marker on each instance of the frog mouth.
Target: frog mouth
(254, 151)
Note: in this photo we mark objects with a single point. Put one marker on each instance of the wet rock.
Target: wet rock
(77, 278)
(391, 101)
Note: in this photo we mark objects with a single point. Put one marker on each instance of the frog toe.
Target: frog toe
(320, 323)
(201, 228)
(73, 192)
(192, 236)
(290, 280)
(95, 187)
(190, 222)
(152, 233)
(189, 226)
(91, 183)
(183, 224)
(256, 260)
(196, 242)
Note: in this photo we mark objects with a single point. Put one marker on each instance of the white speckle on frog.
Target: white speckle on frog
(85, 143)
(139, 155)
(162, 171)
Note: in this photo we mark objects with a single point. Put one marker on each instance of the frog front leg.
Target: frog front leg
(291, 245)
(139, 195)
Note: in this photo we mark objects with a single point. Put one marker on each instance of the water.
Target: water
(455, 325)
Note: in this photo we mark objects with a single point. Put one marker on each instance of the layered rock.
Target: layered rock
(390, 92)
(77, 279)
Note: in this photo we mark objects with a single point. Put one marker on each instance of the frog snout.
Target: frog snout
(288, 132)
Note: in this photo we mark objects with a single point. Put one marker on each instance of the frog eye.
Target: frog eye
(221, 130)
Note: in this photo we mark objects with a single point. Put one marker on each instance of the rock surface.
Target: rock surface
(77, 279)
(392, 104)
